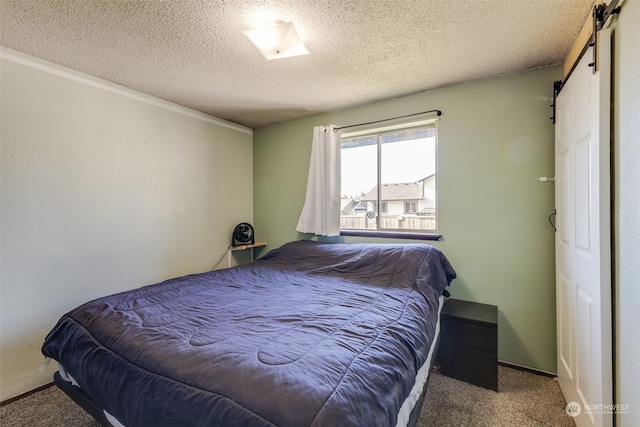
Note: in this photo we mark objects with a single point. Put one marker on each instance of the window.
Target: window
(383, 208)
(411, 207)
(389, 180)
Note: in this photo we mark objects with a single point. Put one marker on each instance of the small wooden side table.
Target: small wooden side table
(244, 248)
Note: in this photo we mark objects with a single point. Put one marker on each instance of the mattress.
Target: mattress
(312, 334)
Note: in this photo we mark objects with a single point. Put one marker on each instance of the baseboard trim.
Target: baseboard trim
(29, 393)
(527, 369)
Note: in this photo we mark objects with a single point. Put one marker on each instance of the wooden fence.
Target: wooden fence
(389, 222)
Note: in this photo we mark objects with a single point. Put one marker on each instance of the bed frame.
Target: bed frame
(82, 399)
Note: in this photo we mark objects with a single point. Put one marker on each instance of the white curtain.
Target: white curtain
(321, 210)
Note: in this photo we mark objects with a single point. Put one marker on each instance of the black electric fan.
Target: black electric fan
(242, 235)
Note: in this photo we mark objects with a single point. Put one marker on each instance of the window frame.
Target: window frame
(378, 132)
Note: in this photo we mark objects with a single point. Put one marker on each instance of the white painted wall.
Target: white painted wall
(103, 189)
(626, 127)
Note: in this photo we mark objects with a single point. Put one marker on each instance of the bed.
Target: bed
(312, 334)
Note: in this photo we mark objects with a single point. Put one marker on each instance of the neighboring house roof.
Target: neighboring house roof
(353, 206)
(400, 191)
(427, 177)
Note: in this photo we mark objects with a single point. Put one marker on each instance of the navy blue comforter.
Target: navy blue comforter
(312, 334)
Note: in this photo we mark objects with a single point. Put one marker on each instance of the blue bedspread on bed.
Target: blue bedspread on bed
(312, 334)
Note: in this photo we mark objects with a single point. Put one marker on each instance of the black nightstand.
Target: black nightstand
(469, 343)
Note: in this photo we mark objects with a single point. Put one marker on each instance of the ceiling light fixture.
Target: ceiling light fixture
(277, 40)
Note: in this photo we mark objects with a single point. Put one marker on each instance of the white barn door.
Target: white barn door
(583, 243)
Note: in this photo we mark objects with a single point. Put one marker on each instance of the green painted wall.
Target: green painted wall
(103, 189)
(495, 136)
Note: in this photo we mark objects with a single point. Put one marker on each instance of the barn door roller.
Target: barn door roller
(601, 14)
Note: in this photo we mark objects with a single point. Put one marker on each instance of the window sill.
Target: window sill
(391, 234)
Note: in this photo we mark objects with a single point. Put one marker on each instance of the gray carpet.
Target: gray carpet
(524, 399)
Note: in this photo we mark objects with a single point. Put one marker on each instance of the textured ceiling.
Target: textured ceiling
(194, 53)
